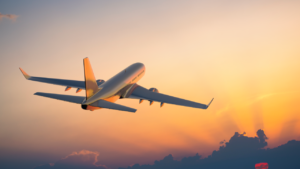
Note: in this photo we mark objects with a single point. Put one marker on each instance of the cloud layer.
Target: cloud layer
(240, 152)
(83, 159)
(8, 16)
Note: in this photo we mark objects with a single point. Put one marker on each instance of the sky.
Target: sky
(245, 54)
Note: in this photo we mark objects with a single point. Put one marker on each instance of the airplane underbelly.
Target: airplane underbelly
(92, 108)
(112, 98)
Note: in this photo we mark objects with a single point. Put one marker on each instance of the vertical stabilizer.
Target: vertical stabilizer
(91, 86)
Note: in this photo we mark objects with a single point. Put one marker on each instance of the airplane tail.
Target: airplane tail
(91, 86)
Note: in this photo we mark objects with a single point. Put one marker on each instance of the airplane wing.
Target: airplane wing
(62, 82)
(142, 93)
(79, 100)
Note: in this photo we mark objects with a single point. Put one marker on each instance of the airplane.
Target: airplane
(103, 94)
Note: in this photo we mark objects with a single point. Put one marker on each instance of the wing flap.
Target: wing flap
(68, 98)
(62, 82)
(143, 93)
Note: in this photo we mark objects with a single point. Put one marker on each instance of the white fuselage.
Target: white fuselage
(111, 87)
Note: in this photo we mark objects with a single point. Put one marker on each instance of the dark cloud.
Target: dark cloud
(77, 160)
(222, 142)
(239, 152)
(8, 16)
(262, 137)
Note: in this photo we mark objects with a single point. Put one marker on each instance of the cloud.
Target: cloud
(239, 152)
(83, 159)
(222, 142)
(8, 16)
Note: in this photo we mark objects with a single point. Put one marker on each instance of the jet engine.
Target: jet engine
(153, 90)
(99, 82)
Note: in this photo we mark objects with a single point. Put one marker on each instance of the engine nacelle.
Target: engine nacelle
(153, 90)
(100, 81)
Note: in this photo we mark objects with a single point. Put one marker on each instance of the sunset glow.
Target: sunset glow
(245, 54)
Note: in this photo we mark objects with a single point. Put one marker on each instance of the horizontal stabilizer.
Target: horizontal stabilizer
(110, 105)
(68, 98)
(79, 100)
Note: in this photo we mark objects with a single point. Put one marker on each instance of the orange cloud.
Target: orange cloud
(82, 159)
(8, 16)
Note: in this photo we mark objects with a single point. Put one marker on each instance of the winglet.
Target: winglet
(210, 102)
(25, 74)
